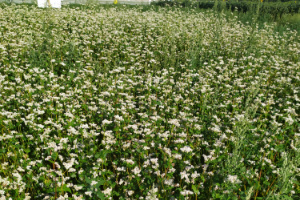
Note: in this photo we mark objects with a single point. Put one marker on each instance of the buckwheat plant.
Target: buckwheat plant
(122, 102)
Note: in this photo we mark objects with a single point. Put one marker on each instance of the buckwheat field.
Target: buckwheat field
(121, 102)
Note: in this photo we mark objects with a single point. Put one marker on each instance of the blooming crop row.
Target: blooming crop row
(123, 103)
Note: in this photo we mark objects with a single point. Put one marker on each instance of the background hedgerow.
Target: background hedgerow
(284, 13)
(158, 103)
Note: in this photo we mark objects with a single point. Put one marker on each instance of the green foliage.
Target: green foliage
(163, 103)
(275, 9)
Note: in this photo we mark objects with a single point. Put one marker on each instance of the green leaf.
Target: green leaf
(84, 106)
(116, 193)
(2, 151)
(97, 155)
(87, 180)
(64, 188)
(11, 78)
(195, 189)
(27, 150)
(287, 197)
(202, 178)
(157, 102)
(181, 197)
(266, 182)
(47, 183)
(50, 190)
(100, 195)
(100, 182)
(118, 105)
(54, 155)
(217, 195)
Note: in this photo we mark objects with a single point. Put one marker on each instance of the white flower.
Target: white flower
(27, 198)
(106, 93)
(136, 170)
(216, 128)
(206, 158)
(152, 194)
(107, 191)
(53, 145)
(185, 175)
(64, 140)
(77, 197)
(84, 126)
(154, 160)
(129, 161)
(174, 122)
(63, 197)
(20, 169)
(77, 187)
(289, 120)
(18, 176)
(94, 182)
(195, 174)
(89, 193)
(186, 192)
(186, 149)
(233, 179)
(177, 156)
(105, 121)
(69, 164)
(121, 169)
(130, 192)
(168, 182)
(179, 141)
(80, 171)
(118, 118)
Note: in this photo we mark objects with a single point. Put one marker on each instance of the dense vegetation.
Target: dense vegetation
(271, 10)
(158, 103)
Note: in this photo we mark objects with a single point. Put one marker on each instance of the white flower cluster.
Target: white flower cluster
(158, 97)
